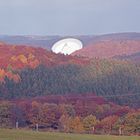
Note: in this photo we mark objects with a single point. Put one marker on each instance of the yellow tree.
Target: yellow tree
(76, 125)
(132, 122)
(89, 123)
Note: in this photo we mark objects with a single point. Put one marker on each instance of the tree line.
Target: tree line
(75, 116)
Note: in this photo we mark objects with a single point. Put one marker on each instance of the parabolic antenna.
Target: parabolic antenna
(67, 46)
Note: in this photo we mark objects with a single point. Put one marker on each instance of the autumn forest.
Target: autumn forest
(73, 94)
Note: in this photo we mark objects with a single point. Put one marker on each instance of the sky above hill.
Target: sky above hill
(68, 17)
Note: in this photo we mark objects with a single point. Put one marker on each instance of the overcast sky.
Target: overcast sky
(68, 17)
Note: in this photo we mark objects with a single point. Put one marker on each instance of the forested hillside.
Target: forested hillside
(119, 49)
(118, 81)
(14, 58)
(68, 93)
(18, 57)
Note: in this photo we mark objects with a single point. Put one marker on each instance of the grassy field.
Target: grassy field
(30, 135)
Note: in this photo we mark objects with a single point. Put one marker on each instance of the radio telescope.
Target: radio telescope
(67, 46)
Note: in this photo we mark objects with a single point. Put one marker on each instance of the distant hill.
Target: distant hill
(110, 49)
(48, 41)
(41, 41)
(117, 45)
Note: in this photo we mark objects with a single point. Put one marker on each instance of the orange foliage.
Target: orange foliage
(19, 57)
(9, 74)
(34, 63)
(22, 58)
(12, 76)
(2, 72)
(31, 56)
(14, 58)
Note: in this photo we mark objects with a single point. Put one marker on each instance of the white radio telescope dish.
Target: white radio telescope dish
(67, 46)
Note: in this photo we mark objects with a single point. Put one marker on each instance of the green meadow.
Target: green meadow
(6, 134)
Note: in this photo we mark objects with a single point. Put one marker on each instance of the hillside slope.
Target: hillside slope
(13, 58)
(115, 80)
(26, 56)
(110, 49)
(29, 72)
